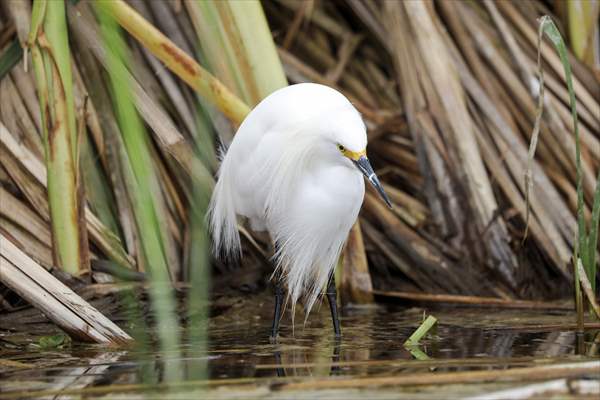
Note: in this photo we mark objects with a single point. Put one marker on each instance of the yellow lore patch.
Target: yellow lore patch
(354, 155)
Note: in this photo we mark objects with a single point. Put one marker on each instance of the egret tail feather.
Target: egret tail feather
(223, 217)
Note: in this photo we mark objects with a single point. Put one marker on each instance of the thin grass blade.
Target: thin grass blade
(553, 34)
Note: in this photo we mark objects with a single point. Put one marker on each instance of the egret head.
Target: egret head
(322, 122)
(360, 161)
(350, 141)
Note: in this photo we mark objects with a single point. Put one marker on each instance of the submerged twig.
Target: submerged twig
(475, 301)
(518, 374)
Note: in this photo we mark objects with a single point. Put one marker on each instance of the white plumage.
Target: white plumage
(288, 171)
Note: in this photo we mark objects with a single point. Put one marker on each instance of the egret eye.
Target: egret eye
(341, 148)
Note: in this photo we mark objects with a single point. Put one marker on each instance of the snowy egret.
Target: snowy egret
(295, 169)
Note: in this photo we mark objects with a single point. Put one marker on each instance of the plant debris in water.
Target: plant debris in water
(468, 342)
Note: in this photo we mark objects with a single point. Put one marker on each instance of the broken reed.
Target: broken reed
(360, 72)
(51, 61)
(423, 329)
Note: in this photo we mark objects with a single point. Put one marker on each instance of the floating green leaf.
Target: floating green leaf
(55, 341)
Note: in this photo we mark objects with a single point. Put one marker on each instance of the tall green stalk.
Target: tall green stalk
(238, 46)
(255, 48)
(51, 62)
(582, 18)
(587, 242)
(143, 193)
(216, 49)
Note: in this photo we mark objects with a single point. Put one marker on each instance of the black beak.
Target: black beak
(364, 166)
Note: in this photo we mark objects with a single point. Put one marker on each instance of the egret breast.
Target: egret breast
(311, 231)
(328, 199)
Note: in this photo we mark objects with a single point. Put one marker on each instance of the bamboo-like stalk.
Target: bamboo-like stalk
(51, 61)
(180, 63)
(581, 25)
(257, 60)
(31, 177)
(217, 43)
(168, 137)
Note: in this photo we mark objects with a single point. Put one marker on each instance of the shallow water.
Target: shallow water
(371, 346)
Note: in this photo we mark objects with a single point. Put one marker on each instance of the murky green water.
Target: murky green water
(372, 346)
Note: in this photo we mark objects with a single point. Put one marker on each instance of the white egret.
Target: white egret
(295, 169)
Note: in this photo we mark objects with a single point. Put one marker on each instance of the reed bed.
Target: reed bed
(449, 92)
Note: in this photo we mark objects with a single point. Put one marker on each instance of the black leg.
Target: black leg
(335, 358)
(280, 371)
(332, 298)
(277, 314)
